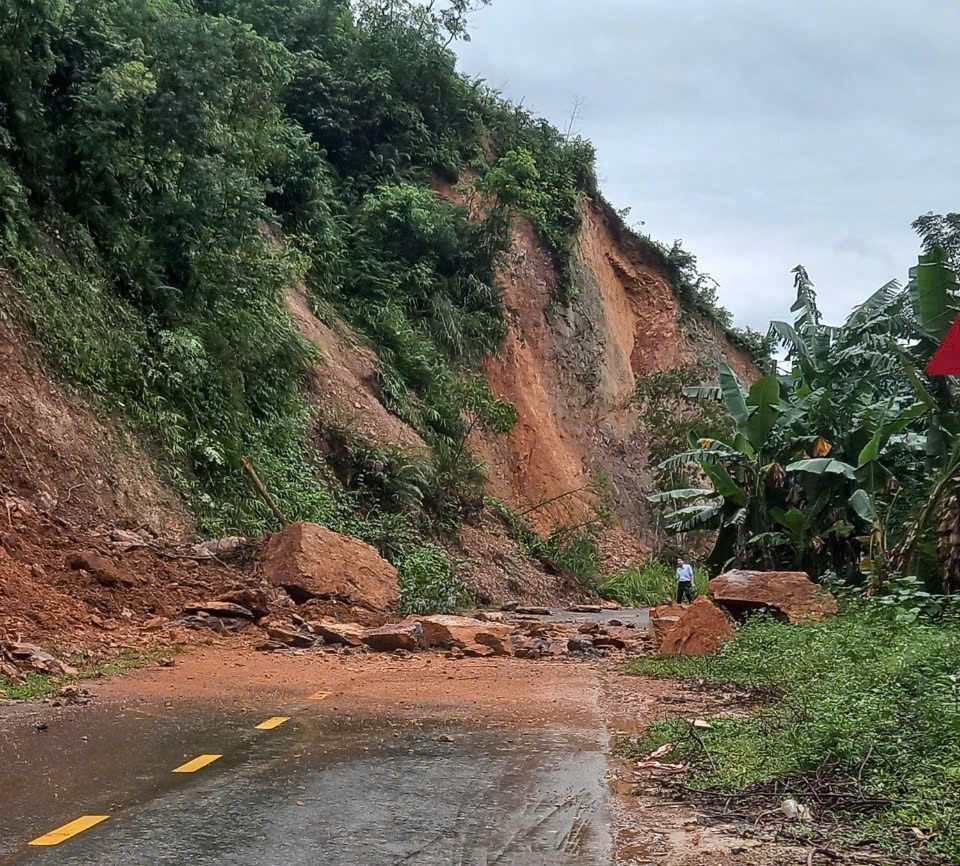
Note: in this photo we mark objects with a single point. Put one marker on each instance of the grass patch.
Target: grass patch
(44, 685)
(647, 584)
(429, 583)
(869, 704)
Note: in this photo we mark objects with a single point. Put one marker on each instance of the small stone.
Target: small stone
(479, 651)
(444, 738)
(580, 644)
(217, 608)
(291, 638)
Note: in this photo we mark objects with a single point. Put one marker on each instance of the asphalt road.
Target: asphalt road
(486, 763)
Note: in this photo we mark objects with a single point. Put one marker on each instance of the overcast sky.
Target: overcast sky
(764, 134)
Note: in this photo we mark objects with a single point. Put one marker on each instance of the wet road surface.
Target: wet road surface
(439, 763)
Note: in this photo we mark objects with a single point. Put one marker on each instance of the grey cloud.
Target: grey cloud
(762, 134)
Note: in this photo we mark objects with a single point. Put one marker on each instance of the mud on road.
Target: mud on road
(380, 760)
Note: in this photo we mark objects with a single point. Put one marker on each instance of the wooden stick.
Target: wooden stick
(258, 484)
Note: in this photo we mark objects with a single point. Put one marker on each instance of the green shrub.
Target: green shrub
(649, 583)
(867, 700)
(429, 582)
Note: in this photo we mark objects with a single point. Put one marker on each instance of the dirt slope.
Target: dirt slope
(571, 375)
(568, 373)
(71, 461)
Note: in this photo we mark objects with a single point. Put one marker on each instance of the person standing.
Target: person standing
(684, 581)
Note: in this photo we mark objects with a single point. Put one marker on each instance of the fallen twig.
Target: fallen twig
(17, 443)
(862, 764)
(706, 751)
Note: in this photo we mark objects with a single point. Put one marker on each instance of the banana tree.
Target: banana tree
(778, 495)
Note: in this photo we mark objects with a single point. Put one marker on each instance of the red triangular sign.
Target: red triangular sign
(946, 360)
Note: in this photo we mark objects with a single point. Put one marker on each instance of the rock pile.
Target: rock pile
(17, 659)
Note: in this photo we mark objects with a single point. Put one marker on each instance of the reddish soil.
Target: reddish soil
(505, 690)
(73, 463)
(343, 384)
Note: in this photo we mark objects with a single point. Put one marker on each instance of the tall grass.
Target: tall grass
(870, 704)
(650, 583)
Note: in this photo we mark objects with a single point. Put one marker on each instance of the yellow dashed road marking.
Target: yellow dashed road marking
(319, 696)
(197, 763)
(55, 837)
(274, 722)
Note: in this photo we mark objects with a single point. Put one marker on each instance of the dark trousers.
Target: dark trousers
(685, 590)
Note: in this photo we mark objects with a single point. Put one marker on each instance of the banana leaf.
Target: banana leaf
(821, 466)
(733, 395)
(765, 396)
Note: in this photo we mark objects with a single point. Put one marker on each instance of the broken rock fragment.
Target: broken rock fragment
(446, 630)
(401, 635)
(700, 629)
(346, 633)
(218, 608)
(103, 569)
(27, 657)
(301, 640)
(253, 599)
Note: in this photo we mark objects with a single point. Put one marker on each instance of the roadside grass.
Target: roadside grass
(870, 707)
(647, 584)
(44, 685)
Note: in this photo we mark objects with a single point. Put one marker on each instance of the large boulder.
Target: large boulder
(698, 630)
(445, 630)
(789, 594)
(310, 561)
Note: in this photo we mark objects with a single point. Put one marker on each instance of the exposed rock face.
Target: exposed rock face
(698, 630)
(312, 561)
(790, 594)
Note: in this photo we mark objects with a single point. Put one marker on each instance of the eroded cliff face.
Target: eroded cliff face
(570, 377)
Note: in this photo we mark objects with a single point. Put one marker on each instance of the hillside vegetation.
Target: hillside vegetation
(170, 169)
